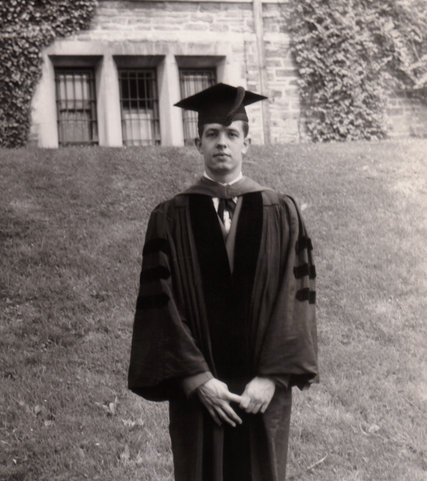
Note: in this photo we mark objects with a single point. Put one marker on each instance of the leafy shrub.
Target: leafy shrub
(350, 55)
(26, 27)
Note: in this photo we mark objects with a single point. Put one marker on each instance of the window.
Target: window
(76, 106)
(193, 81)
(139, 106)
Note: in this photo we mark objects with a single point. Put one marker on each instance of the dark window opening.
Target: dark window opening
(139, 107)
(76, 106)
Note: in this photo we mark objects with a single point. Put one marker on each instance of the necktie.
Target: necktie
(227, 205)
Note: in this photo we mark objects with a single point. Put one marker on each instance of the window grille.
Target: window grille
(193, 81)
(139, 107)
(76, 106)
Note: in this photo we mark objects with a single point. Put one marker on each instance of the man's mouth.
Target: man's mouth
(221, 154)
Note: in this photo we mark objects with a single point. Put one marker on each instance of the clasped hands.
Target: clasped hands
(216, 397)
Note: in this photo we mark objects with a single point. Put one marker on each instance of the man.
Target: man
(225, 322)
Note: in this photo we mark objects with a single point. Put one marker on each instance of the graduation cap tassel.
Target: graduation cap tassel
(240, 95)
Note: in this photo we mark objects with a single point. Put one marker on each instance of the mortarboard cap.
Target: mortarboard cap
(220, 103)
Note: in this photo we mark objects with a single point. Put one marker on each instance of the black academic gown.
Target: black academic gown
(196, 314)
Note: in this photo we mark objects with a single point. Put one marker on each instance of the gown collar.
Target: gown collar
(210, 188)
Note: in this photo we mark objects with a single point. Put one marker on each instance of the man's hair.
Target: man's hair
(245, 127)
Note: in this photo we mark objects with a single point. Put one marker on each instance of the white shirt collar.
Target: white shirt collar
(240, 176)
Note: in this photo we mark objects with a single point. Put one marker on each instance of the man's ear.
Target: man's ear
(198, 144)
(246, 143)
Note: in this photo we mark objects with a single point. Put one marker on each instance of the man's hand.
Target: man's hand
(216, 397)
(257, 395)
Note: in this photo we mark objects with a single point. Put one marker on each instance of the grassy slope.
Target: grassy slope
(72, 225)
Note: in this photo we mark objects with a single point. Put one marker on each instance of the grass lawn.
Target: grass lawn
(72, 229)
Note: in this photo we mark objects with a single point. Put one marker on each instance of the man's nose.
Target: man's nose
(222, 140)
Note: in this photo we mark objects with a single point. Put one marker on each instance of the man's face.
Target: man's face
(223, 148)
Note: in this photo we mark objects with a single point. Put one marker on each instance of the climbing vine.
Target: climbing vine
(26, 27)
(350, 54)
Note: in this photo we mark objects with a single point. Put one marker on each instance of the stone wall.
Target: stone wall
(134, 18)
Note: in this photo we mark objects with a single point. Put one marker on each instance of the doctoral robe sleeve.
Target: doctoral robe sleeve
(163, 350)
(290, 343)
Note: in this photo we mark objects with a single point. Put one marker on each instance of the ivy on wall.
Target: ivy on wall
(26, 27)
(350, 54)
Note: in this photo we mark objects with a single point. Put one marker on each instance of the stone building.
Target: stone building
(115, 84)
